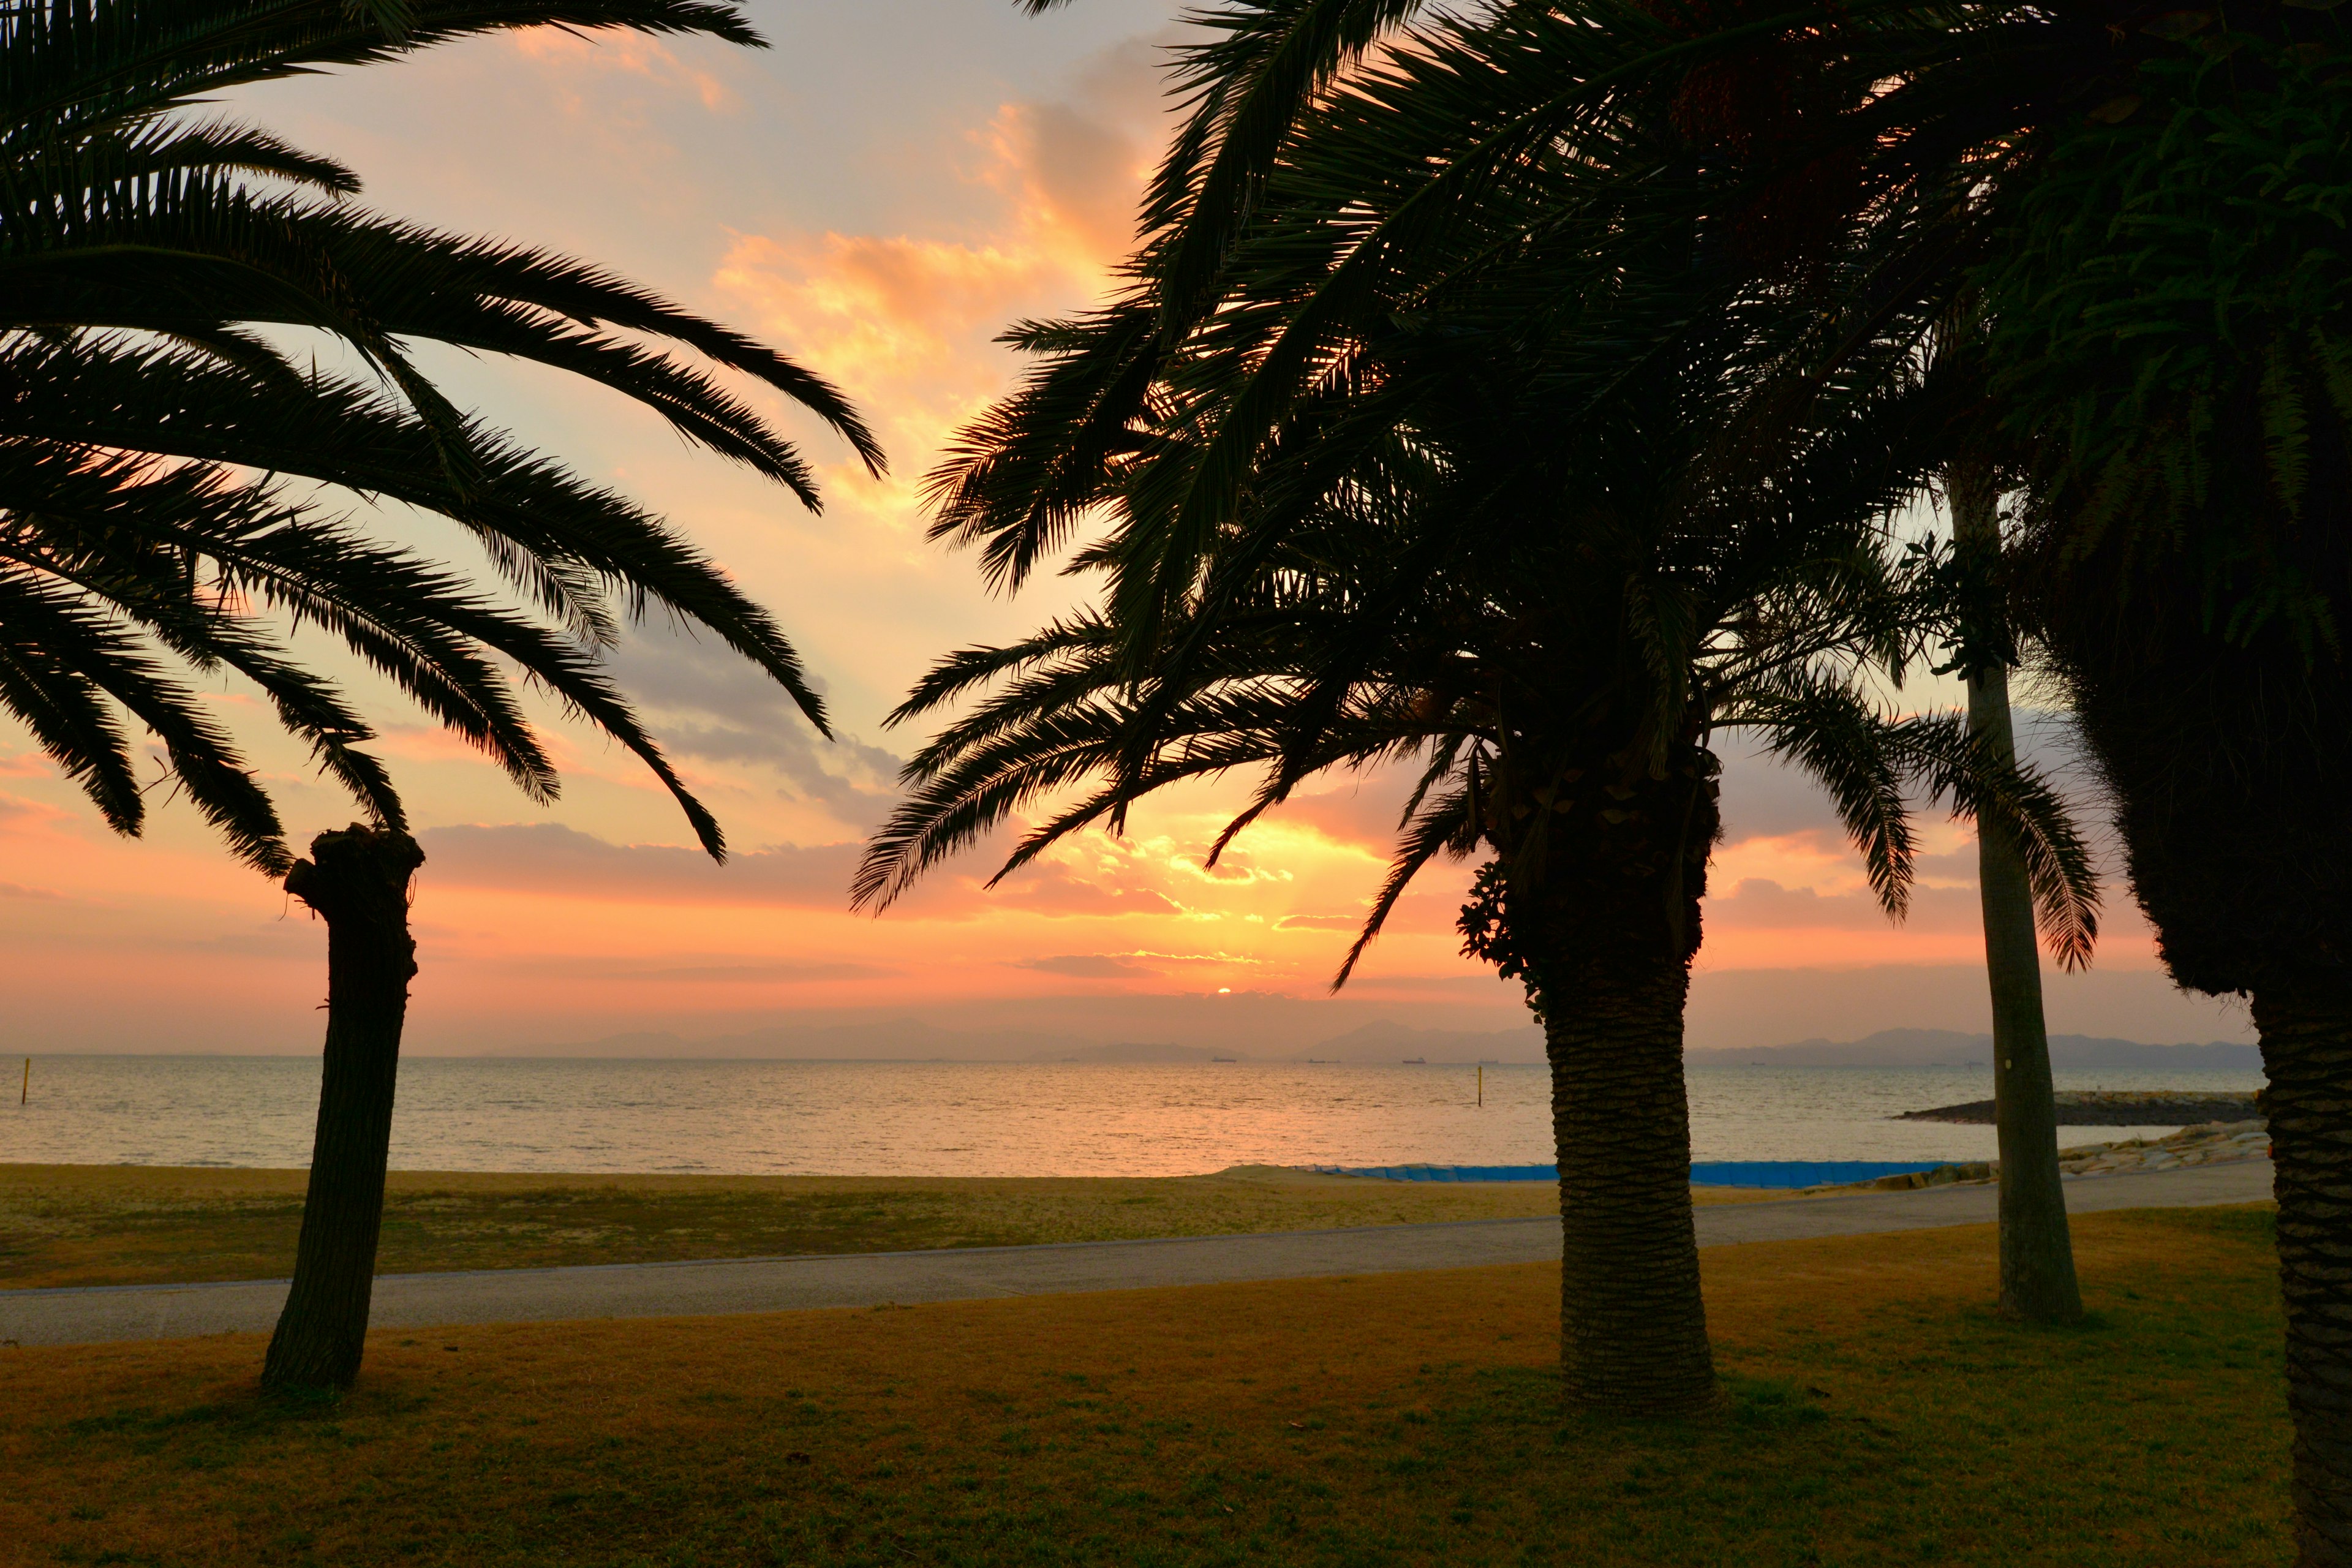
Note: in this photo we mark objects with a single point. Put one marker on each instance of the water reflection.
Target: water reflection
(969, 1118)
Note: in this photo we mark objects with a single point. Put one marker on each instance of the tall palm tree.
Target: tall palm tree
(2170, 310)
(1635, 87)
(2037, 1250)
(1488, 562)
(175, 480)
(2144, 202)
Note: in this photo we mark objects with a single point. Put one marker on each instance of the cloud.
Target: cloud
(1198, 957)
(1127, 965)
(1764, 797)
(18, 811)
(547, 857)
(704, 699)
(1359, 812)
(633, 53)
(1321, 922)
(1056, 892)
(1958, 864)
(880, 309)
(1050, 889)
(605, 967)
(1087, 966)
(550, 860)
(908, 322)
(1757, 903)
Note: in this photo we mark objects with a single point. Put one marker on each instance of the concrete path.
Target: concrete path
(785, 1284)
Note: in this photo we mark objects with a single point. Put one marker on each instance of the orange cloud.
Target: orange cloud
(1757, 903)
(907, 322)
(880, 311)
(1088, 967)
(875, 310)
(568, 53)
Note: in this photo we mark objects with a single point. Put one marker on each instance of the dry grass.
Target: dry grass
(1879, 1416)
(131, 1224)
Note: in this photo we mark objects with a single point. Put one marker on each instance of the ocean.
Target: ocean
(969, 1119)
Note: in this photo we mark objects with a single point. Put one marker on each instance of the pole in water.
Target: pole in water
(25, 1093)
(1481, 1080)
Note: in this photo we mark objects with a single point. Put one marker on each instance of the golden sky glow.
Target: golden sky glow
(878, 195)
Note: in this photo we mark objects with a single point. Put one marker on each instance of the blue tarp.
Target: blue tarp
(1724, 1174)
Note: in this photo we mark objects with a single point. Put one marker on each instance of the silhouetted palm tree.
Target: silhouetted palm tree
(2144, 203)
(1475, 548)
(170, 459)
(176, 475)
(1684, 119)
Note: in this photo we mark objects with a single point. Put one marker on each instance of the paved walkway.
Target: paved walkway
(785, 1284)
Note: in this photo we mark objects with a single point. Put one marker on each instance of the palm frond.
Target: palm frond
(170, 479)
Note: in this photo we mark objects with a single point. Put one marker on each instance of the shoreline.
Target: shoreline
(70, 1225)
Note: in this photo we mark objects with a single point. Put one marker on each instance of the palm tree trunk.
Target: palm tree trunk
(2037, 1252)
(2307, 1052)
(1632, 1324)
(358, 881)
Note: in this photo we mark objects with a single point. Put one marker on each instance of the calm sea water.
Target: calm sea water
(964, 1119)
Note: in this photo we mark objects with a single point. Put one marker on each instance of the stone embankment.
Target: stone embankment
(1941, 1176)
(2210, 1144)
(2191, 1146)
(2114, 1108)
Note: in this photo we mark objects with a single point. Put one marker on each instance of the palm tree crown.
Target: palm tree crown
(1475, 545)
(1477, 549)
(170, 469)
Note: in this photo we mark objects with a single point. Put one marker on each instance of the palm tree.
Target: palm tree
(1477, 551)
(1470, 106)
(173, 474)
(2037, 1250)
(2185, 559)
(1462, 122)
(2144, 204)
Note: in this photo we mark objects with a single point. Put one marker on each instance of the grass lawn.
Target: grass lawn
(138, 1225)
(1879, 1414)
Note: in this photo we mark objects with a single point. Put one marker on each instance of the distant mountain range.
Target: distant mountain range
(1131, 1051)
(1382, 1041)
(1386, 1042)
(1950, 1048)
(896, 1039)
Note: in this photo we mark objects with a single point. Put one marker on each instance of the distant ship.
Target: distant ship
(1225, 1058)
(1416, 1061)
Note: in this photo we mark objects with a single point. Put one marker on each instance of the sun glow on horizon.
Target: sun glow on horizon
(921, 195)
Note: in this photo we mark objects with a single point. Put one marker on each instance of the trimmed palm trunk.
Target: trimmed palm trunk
(1632, 1324)
(1615, 925)
(357, 881)
(2229, 767)
(2307, 1053)
(2228, 758)
(2037, 1252)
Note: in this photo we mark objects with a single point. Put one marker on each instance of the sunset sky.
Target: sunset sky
(876, 195)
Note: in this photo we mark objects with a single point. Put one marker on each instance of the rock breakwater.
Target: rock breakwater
(2115, 1108)
(2190, 1146)
(2210, 1144)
